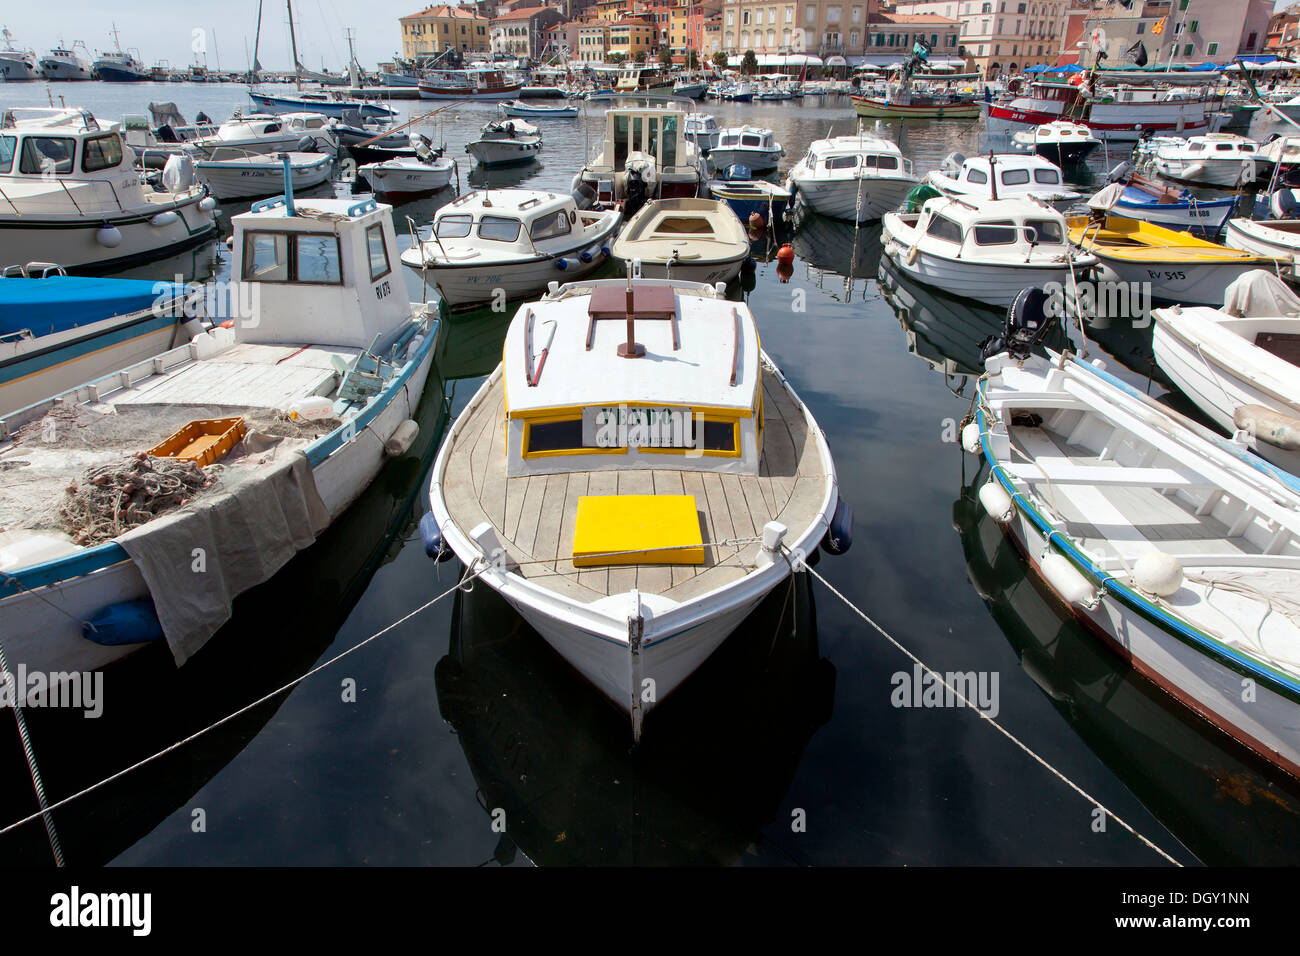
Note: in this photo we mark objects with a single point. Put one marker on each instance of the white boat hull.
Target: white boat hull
(492, 152)
(694, 271)
(237, 180)
(996, 285)
(839, 198)
(397, 179)
(1209, 172)
(1185, 283)
(758, 160)
(463, 287)
(1260, 239)
(15, 68)
(42, 628)
(73, 243)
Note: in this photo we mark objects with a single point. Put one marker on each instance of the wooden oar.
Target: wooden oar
(412, 122)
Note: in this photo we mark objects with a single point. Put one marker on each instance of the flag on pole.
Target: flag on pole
(1137, 53)
(1160, 26)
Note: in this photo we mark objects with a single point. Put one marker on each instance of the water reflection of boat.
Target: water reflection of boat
(839, 248)
(1219, 800)
(943, 330)
(149, 704)
(701, 790)
(501, 177)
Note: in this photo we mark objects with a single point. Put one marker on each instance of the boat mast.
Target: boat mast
(297, 67)
(257, 39)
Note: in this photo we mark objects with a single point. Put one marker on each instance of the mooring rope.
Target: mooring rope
(992, 721)
(37, 784)
(469, 577)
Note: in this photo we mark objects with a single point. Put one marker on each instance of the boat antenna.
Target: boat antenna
(993, 174)
(631, 348)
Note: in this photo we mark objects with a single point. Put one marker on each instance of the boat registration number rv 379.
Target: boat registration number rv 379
(622, 426)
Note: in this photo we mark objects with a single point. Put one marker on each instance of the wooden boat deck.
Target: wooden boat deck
(534, 515)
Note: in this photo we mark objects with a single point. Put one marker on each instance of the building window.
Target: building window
(1142, 28)
(853, 37)
(1187, 50)
(789, 14)
(1250, 43)
(1182, 4)
(1196, 26)
(812, 13)
(1212, 49)
(857, 14)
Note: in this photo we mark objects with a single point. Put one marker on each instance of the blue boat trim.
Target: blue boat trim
(1278, 681)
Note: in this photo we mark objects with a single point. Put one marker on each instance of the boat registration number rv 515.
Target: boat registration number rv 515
(623, 426)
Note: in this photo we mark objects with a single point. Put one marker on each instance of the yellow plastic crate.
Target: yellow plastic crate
(647, 529)
(202, 441)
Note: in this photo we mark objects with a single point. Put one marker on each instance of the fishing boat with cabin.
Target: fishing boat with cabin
(854, 178)
(633, 478)
(644, 155)
(152, 496)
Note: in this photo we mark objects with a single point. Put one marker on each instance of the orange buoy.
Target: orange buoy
(785, 254)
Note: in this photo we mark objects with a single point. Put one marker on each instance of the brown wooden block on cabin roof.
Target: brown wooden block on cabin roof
(648, 302)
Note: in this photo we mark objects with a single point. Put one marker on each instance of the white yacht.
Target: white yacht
(988, 252)
(1214, 159)
(855, 178)
(70, 195)
(427, 171)
(1061, 141)
(1020, 176)
(506, 142)
(516, 240)
(633, 478)
(17, 65)
(749, 146)
(268, 133)
(65, 63)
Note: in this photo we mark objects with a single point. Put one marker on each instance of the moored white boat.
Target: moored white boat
(1136, 197)
(512, 240)
(640, 546)
(232, 174)
(1238, 362)
(325, 337)
(1264, 237)
(747, 146)
(644, 155)
(538, 110)
(1212, 159)
(1060, 141)
(504, 142)
(1025, 176)
(988, 252)
(409, 176)
(268, 133)
(696, 240)
(855, 178)
(1180, 549)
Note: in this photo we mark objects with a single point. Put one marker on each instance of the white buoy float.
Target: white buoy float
(970, 438)
(1158, 573)
(165, 218)
(109, 236)
(1066, 581)
(997, 502)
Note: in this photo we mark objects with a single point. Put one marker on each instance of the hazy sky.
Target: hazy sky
(163, 30)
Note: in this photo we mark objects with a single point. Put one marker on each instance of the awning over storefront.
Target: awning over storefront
(786, 60)
(836, 61)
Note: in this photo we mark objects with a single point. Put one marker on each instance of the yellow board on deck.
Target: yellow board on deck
(637, 529)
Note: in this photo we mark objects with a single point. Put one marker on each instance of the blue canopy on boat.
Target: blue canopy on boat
(57, 303)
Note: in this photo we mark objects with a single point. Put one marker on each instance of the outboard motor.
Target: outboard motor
(307, 144)
(1120, 171)
(952, 163)
(423, 148)
(178, 173)
(636, 194)
(584, 196)
(165, 134)
(1027, 326)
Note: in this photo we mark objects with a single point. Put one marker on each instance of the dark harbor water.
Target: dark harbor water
(463, 710)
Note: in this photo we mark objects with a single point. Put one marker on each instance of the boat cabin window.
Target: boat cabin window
(621, 147)
(378, 251)
(976, 176)
(498, 228)
(101, 152)
(292, 257)
(842, 162)
(7, 145)
(883, 162)
(453, 227)
(1015, 177)
(669, 152)
(941, 227)
(548, 227)
(749, 139)
(1195, 147)
(43, 154)
(271, 128)
(1048, 176)
(1047, 231)
(999, 233)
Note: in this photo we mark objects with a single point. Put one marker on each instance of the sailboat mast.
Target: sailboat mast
(297, 70)
(257, 39)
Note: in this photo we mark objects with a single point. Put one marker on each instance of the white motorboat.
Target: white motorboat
(1213, 159)
(269, 133)
(425, 172)
(620, 495)
(1179, 548)
(696, 240)
(1060, 141)
(512, 240)
(65, 63)
(538, 110)
(1238, 362)
(854, 178)
(987, 252)
(17, 65)
(234, 174)
(321, 372)
(645, 155)
(1018, 176)
(70, 195)
(1264, 237)
(163, 134)
(702, 130)
(749, 146)
(505, 142)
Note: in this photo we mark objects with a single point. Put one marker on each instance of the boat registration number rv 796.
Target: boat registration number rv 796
(623, 426)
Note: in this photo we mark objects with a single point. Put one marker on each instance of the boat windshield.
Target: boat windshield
(45, 155)
(7, 144)
(292, 257)
(453, 227)
(1046, 231)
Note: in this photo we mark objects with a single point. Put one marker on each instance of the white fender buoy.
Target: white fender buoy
(913, 254)
(1066, 581)
(164, 218)
(207, 204)
(109, 236)
(401, 438)
(1158, 573)
(997, 502)
(970, 438)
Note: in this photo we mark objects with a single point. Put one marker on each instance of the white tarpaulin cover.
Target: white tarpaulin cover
(1259, 294)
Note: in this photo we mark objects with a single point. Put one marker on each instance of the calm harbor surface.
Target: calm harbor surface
(462, 710)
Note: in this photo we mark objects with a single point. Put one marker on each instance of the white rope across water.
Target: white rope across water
(46, 810)
(992, 721)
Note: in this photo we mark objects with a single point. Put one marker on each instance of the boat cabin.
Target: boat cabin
(747, 137)
(1018, 174)
(326, 272)
(1212, 146)
(846, 154)
(494, 225)
(691, 401)
(652, 142)
(996, 229)
(40, 144)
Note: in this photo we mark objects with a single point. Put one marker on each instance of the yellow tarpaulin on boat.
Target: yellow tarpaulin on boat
(637, 529)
